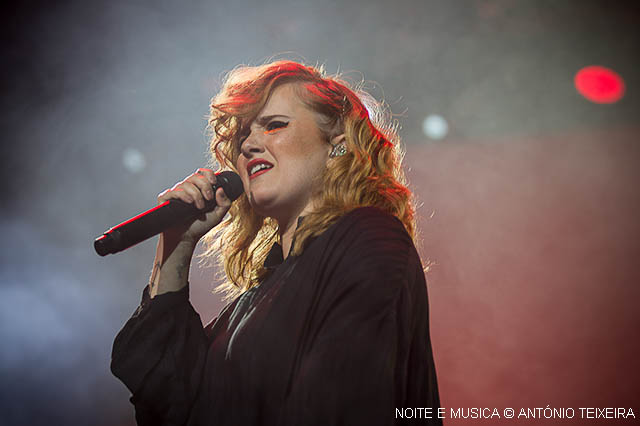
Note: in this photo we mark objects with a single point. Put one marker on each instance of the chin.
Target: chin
(262, 204)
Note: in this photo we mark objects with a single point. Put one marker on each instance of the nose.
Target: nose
(251, 146)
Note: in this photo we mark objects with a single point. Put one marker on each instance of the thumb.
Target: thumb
(221, 198)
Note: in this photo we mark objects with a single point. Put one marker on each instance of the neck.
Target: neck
(287, 230)
(288, 225)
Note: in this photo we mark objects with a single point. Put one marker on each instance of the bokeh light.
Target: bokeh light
(435, 127)
(599, 84)
(133, 160)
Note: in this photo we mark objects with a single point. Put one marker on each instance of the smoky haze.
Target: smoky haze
(528, 207)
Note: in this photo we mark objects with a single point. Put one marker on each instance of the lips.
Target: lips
(257, 167)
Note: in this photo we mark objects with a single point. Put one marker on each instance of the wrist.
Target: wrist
(171, 266)
(181, 243)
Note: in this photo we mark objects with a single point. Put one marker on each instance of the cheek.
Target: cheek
(290, 148)
(310, 167)
(241, 168)
(300, 147)
(241, 164)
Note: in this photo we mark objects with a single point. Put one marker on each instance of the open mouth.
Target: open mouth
(258, 167)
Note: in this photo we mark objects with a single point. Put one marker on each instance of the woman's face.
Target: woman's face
(282, 157)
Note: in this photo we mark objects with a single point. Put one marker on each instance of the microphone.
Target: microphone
(163, 216)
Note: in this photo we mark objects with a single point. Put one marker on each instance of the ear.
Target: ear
(338, 139)
(338, 147)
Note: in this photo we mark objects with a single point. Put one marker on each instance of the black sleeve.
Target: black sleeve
(371, 352)
(159, 355)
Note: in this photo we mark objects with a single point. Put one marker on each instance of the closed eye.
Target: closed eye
(272, 127)
(275, 125)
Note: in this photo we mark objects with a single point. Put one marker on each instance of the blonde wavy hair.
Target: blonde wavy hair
(370, 174)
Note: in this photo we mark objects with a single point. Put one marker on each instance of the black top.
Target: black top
(336, 336)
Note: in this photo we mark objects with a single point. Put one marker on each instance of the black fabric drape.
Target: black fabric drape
(336, 336)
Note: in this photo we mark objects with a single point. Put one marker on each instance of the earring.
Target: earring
(338, 150)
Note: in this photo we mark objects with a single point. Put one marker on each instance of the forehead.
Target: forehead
(285, 100)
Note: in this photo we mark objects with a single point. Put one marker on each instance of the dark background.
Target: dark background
(528, 207)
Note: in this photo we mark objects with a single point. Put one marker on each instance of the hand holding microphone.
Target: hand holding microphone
(207, 196)
(185, 212)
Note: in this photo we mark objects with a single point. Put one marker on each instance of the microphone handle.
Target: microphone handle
(163, 216)
(147, 224)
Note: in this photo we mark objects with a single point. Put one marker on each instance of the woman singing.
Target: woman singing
(328, 318)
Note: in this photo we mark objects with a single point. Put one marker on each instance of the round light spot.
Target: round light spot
(133, 160)
(435, 127)
(599, 84)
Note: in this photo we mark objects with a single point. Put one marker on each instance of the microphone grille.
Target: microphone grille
(231, 184)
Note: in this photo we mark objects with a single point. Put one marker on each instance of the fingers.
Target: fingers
(204, 180)
(221, 198)
(175, 193)
(207, 174)
(195, 189)
(195, 193)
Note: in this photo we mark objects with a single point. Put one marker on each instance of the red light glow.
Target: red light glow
(599, 84)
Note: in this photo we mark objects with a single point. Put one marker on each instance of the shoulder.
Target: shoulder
(370, 215)
(380, 258)
(369, 241)
(368, 256)
(371, 227)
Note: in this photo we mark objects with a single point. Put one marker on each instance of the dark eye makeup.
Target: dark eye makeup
(275, 124)
(269, 128)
